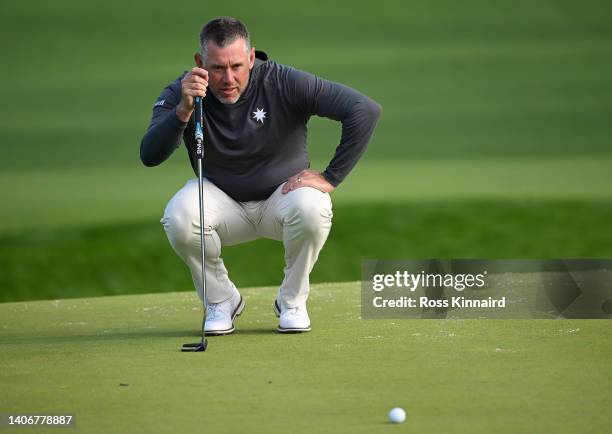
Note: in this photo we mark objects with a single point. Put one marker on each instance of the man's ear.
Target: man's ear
(198, 60)
(252, 58)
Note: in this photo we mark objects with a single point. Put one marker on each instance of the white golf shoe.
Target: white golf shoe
(292, 320)
(220, 316)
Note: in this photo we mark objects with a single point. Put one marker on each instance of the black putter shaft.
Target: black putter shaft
(199, 138)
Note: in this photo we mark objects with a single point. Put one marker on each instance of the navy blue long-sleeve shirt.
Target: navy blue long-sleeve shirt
(257, 143)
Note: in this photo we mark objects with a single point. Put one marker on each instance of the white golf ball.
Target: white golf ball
(397, 415)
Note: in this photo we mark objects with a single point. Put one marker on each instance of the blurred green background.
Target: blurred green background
(494, 140)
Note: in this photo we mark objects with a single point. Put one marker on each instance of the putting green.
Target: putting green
(474, 376)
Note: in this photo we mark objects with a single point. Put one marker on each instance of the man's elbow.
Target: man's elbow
(148, 163)
(368, 110)
(374, 109)
(146, 157)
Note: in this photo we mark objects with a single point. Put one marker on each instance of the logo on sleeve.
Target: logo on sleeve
(259, 115)
(159, 103)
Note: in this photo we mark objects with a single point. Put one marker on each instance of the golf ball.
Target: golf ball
(397, 415)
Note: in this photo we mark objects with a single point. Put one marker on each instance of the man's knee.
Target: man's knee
(178, 226)
(184, 234)
(309, 211)
(179, 217)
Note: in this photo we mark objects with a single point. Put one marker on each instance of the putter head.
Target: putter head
(195, 347)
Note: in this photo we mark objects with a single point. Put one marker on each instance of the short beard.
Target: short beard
(229, 101)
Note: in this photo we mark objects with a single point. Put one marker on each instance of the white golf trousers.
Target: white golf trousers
(301, 219)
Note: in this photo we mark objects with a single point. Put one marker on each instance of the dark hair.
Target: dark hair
(223, 31)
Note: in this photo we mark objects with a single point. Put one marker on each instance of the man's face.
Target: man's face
(228, 69)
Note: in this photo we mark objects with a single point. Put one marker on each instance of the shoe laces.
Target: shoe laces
(211, 310)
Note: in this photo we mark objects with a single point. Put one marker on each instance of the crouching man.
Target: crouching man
(257, 177)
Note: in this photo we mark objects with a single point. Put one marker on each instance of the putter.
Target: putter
(199, 138)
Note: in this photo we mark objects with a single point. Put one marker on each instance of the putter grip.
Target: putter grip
(199, 132)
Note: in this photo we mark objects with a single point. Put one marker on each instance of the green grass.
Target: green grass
(51, 199)
(455, 79)
(136, 257)
(77, 232)
(475, 376)
(494, 142)
(494, 139)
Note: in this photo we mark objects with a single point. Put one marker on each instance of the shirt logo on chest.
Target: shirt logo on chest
(259, 115)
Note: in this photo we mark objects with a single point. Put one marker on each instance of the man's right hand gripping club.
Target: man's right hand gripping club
(193, 84)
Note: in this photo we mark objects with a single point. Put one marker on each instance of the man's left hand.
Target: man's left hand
(308, 178)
